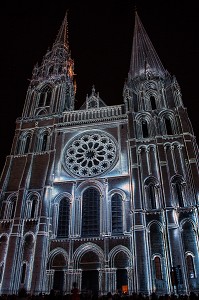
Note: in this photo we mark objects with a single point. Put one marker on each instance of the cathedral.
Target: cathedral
(104, 196)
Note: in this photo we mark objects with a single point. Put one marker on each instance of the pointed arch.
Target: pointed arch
(53, 260)
(32, 205)
(168, 124)
(10, 207)
(45, 95)
(144, 125)
(87, 248)
(43, 140)
(24, 141)
(121, 251)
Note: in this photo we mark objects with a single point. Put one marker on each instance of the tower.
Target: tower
(105, 196)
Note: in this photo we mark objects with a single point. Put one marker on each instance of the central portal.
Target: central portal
(90, 282)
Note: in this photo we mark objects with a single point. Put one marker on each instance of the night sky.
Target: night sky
(100, 39)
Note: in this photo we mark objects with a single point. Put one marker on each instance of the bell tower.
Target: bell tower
(52, 88)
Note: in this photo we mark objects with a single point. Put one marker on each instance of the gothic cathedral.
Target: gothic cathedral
(104, 196)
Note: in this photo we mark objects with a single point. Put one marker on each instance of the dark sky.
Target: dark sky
(100, 39)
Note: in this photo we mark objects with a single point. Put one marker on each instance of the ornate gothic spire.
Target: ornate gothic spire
(144, 59)
(62, 36)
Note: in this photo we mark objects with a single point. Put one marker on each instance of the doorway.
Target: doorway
(122, 280)
(58, 282)
(90, 281)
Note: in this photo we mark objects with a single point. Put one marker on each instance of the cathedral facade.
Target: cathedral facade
(104, 196)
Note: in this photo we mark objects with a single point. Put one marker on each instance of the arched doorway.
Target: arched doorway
(58, 282)
(121, 263)
(58, 264)
(90, 264)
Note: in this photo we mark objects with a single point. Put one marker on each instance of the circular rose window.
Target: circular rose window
(90, 154)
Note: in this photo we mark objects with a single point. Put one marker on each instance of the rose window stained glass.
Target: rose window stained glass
(90, 154)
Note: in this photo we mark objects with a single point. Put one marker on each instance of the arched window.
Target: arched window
(145, 132)
(117, 217)
(45, 96)
(169, 130)
(178, 191)
(64, 218)
(153, 103)
(157, 265)
(27, 144)
(151, 194)
(178, 187)
(42, 99)
(34, 207)
(190, 267)
(91, 212)
(48, 98)
(10, 209)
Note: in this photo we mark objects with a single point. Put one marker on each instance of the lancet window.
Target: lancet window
(91, 212)
(32, 207)
(45, 96)
(64, 218)
(117, 214)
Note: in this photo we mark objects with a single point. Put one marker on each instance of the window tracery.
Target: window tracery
(90, 154)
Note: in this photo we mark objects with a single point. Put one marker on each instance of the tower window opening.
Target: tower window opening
(41, 99)
(179, 193)
(145, 132)
(27, 144)
(34, 206)
(153, 103)
(44, 142)
(45, 96)
(169, 130)
(152, 199)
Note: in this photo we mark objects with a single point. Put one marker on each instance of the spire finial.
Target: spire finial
(62, 36)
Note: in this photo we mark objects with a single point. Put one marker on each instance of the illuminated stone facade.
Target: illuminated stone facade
(105, 196)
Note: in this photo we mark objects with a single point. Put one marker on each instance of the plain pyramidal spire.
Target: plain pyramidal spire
(144, 59)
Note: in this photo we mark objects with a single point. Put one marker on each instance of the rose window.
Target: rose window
(90, 154)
